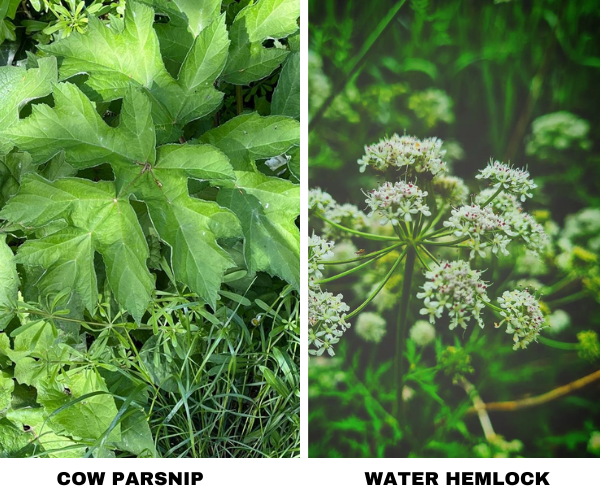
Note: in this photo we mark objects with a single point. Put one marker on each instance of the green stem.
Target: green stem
(445, 243)
(355, 63)
(567, 346)
(353, 270)
(361, 257)
(381, 285)
(368, 236)
(399, 368)
(491, 198)
(567, 299)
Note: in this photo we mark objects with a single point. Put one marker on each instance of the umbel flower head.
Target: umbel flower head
(408, 153)
(319, 200)
(422, 333)
(513, 180)
(318, 249)
(522, 225)
(397, 201)
(326, 320)
(451, 189)
(482, 226)
(457, 288)
(522, 316)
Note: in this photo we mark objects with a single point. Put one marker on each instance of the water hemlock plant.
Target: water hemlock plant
(441, 241)
(139, 208)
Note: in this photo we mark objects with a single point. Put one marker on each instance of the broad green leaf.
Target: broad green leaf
(74, 126)
(19, 86)
(12, 438)
(68, 258)
(34, 420)
(32, 339)
(252, 137)
(193, 14)
(45, 366)
(13, 167)
(191, 227)
(85, 419)
(136, 436)
(7, 386)
(112, 227)
(267, 208)
(116, 59)
(264, 20)
(9, 282)
(286, 97)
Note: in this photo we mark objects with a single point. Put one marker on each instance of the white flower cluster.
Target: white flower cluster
(370, 326)
(420, 156)
(432, 106)
(513, 180)
(326, 320)
(326, 312)
(456, 287)
(422, 333)
(522, 315)
(346, 214)
(482, 226)
(398, 201)
(452, 189)
(319, 200)
(319, 249)
(557, 132)
(521, 223)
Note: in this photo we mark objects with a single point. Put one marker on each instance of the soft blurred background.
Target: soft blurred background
(516, 81)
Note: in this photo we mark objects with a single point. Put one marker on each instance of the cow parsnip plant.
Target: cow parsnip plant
(135, 185)
(425, 219)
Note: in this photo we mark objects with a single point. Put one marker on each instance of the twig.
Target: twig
(541, 399)
(479, 407)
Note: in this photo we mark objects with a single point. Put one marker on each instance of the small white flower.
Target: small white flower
(319, 200)
(397, 202)
(483, 227)
(513, 180)
(458, 289)
(422, 333)
(452, 189)
(406, 152)
(347, 215)
(319, 249)
(522, 315)
(326, 320)
(370, 326)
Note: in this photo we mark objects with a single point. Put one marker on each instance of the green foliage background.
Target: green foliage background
(149, 243)
(494, 67)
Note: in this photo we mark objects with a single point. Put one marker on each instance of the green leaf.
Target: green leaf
(248, 59)
(68, 258)
(7, 386)
(9, 283)
(286, 97)
(87, 418)
(33, 419)
(190, 226)
(252, 137)
(19, 86)
(32, 339)
(74, 126)
(267, 208)
(111, 226)
(116, 59)
(13, 167)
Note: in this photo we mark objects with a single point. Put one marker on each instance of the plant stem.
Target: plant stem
(567, 299)
(567, 346)
(381, 285)
(368, 236)
(353, 270)
(491, 198)
(360, 257)
(399, 369)
(445, 243)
